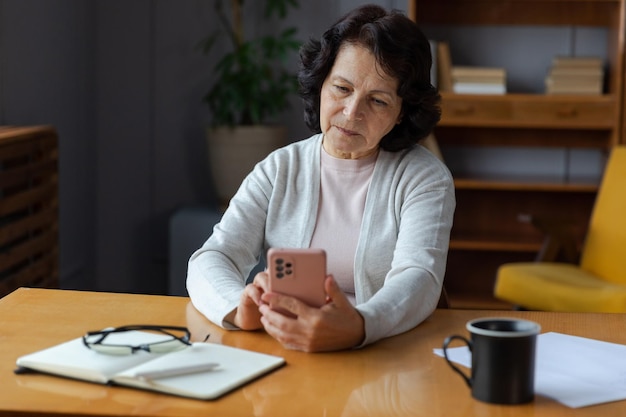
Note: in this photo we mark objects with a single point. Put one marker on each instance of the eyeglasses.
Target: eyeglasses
(154, 339)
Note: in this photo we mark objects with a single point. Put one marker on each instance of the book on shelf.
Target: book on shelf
(444, 67)
(577, 61)
(478, 80)
(575, 75)
(479, 88)
(565, 71)
(575, 83)
(464, 73)
(202, 371)
(555, 87)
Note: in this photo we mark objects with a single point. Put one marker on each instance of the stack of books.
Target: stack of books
(575, 75)
(478, 80)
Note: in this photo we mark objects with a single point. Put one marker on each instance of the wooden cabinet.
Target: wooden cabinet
(28, 208)
(488, 230)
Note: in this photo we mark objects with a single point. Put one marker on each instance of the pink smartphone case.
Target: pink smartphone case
(299, 273)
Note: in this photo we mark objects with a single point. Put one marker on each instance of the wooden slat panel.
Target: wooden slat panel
(43, 145)
(41, 273)
(43, 194)
(23, 252)
(29, 224)
(20, 134)
(35, 170)
(28, 208)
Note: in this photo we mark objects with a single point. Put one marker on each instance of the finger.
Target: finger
(247, 314)
(284, 304)
(261, 280)
(272, 320)
(280, 328)
(252, 293)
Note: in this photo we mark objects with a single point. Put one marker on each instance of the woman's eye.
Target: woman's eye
(379, 102)
(341, 88)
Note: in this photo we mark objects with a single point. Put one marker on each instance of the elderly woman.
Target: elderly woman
(361, 188)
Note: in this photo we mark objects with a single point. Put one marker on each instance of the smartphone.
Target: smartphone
(299, 273)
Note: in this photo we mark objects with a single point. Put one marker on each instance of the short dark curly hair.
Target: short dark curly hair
(400, 48)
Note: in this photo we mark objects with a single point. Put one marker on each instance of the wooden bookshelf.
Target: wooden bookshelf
(487, 229)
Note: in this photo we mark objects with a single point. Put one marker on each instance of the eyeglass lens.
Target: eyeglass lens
(127, 340)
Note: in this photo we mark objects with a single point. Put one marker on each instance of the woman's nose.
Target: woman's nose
(353, 109)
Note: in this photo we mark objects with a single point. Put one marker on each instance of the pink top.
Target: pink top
(343, 190)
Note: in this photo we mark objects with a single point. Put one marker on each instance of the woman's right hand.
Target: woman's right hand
(247, 316)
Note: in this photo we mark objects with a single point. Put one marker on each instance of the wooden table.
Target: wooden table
(399, 376)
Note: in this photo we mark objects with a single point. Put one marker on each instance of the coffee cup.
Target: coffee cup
(503, 359)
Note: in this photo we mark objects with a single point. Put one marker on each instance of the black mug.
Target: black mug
(503, 359)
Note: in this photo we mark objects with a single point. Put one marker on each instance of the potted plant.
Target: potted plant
(251, 87)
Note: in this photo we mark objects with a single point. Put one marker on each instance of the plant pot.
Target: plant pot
(233, 152)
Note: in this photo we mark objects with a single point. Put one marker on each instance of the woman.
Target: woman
(360, 188)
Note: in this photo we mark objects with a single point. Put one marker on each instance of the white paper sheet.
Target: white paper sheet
(572, 370)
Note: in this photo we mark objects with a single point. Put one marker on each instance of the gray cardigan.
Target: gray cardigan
(401, 255)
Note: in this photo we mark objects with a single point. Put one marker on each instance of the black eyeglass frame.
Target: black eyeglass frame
(144, 346)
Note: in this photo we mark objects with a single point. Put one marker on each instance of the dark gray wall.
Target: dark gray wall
(47, 64)
(122, 83)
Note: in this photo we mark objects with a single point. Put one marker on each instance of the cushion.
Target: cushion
(558, 287)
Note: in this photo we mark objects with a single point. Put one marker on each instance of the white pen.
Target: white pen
(182, 370)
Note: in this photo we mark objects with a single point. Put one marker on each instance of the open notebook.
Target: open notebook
(226, 367)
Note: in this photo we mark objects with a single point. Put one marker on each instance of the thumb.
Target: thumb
(334, 292)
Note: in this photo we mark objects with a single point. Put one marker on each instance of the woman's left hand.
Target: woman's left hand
(334, 326)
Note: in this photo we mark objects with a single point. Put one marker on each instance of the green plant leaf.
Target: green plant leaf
(250, 83)
(279, 8)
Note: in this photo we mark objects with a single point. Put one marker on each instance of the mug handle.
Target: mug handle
(446, 342)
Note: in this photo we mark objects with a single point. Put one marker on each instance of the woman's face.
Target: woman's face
(359, 104)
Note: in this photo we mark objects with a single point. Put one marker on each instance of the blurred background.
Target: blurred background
(123, 81)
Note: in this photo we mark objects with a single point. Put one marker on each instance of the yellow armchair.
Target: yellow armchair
(598, 282)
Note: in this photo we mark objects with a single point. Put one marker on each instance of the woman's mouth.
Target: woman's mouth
(347, 132)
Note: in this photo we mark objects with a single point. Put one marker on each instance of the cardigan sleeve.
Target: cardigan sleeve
(274, 206)
(217, 272)
(404, 248)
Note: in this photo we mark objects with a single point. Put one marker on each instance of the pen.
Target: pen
(182, 370)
